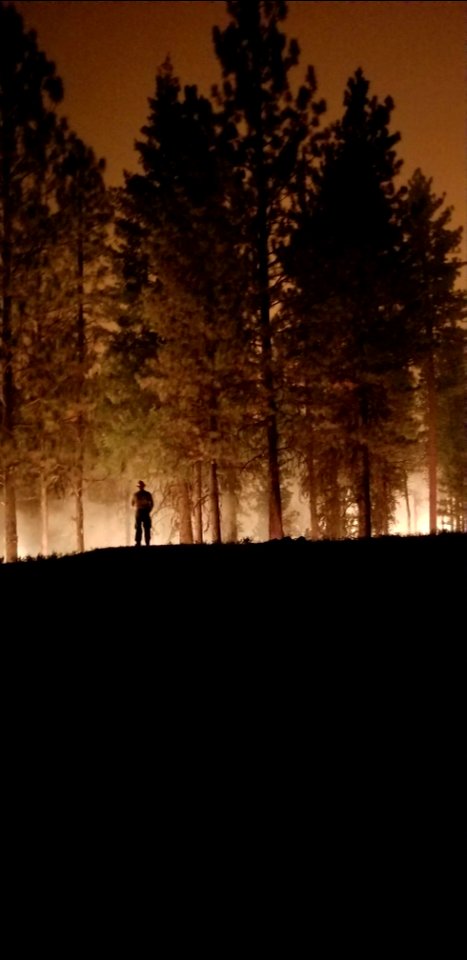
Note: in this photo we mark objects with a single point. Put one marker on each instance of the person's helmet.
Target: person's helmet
(141, 484)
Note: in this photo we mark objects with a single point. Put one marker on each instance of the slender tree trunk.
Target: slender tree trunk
(44, 499)
(198, 508)
(79, 508)
(333, 498)
(312, 489)
(81, 338)
(11, 530)
(214, 506)
(276, 531)
(184, 510)
(215, 513)
(386, 508)
(8, 389)
(407, 504)
(128, 514)
(230, 507)
(432, 441)
(364, 517)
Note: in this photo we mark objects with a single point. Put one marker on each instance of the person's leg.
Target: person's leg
(138, 532)
(147, 530)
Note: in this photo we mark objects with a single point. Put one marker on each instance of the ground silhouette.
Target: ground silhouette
(290, 711)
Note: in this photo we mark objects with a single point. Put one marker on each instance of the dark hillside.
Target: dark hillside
(290, 710)
(390, 563)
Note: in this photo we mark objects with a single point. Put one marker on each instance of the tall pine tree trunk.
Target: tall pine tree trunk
(364, 495)
(276, 531)
(8, 389)
(11, 531)
(312, 489)
(79, 493)
(385, 507)
(407, 504)
(214, 507)
(432, 441)
(333, 518)
(198, 507)
(215, 513)
(230, 507)
(184, 512)
(81, 339)
(44, 501)
(128, 515)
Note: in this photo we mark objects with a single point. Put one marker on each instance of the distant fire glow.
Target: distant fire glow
(111, 525)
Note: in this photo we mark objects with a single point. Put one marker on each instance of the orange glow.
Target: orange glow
(107, 55)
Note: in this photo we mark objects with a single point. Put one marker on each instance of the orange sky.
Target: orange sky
(107, 53)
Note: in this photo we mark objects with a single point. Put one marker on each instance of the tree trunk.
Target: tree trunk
(128, 514)
(44, 516)
(198, 509)
(230, 508)
(215, 514)
(79, 508)
(276, 531)
(364, 502)
(11, 530)
(333, 512)
(407, 504)
(432, 442)
(81, 339)
(312, 491)
(8, 389)
(184, 510)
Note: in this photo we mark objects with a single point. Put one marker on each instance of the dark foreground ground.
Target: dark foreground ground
(366, 585)
(262, 736)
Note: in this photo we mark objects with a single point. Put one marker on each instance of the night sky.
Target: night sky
(107, 53)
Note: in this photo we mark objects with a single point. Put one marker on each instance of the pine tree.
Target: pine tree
(29, 89)
(350, 288)
(183, 290)
(83, 219)
(437, 308)
(265, 130)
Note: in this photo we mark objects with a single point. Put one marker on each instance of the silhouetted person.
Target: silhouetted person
(143, 503)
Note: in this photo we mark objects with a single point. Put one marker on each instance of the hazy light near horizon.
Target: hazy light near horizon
(109, 525)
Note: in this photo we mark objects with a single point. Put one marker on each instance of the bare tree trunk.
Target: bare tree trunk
(11, 530)
(44, 491)
(81, 339)
(276, 531)
(8, 388)
(432, 442)
(385, 508)
(79, 508)
(184, 510)
(312, 491)
(364, 503)
(215, 514)
(198, 508)
(230, 508)
(128, 515)
(333, 511)
(407, 504)
(365, 518)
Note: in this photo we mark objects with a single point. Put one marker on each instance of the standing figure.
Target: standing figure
(143, 503)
